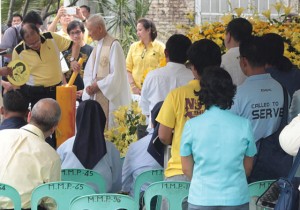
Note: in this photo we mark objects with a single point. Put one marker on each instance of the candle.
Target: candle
(66, 98)
(74, 74)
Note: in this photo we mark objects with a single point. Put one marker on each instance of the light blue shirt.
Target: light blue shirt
(137, 160)
(218, 140)
(110, 166)
(260, 99)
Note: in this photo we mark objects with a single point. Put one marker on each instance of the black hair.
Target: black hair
(86, 7)
(18, 15)
(33, 17)
(73, 24)
(31, 26)
(252, 49)
(240, 29)
(273, 46)
(177, 46)
(9, 23)
(204, 53)
(217, 88)
(14, 101)
(148, 24)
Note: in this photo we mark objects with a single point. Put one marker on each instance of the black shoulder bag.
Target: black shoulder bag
(283, 194)
(271, 161)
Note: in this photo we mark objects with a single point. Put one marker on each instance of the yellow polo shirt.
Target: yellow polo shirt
(27, 161)
(139, 59)
(62, 33)
(180, 105)
(45, 68)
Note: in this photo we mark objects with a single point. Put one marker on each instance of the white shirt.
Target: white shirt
(231, 63)
(137, 160)
(26, 161)
(289, 137)
(115, 86)
(159, 82)
(295, 105)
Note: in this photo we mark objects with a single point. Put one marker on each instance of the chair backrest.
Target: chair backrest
(90, 177)
(173, 191)
(62, 192)
(258, 188)
(105, 201)
(146, 177)
(11, 193)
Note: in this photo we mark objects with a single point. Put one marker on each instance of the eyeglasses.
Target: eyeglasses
(75, 33)
(143, 53)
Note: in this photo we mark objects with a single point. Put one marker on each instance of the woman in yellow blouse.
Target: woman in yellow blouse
(143, 55)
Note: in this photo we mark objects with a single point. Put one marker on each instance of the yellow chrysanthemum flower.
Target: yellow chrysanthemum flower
(127, 118)
(267, 14)
(287, 9)
(278, 6)
(122, 129)
(190, 16)
(119, 115)
(226, 18)
(239, 11)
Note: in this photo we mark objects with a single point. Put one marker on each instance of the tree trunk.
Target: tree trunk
(45, 11)
(25, 7)
(10, 9)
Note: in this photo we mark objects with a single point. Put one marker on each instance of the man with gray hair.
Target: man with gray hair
(26, 160)
(105, 74)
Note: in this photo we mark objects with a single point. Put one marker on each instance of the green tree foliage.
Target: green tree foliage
(121, 18)
(45, 7)
(121, 15)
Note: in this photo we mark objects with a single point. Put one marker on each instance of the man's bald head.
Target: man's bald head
(31, 36)
(96, 27)
(45, 114)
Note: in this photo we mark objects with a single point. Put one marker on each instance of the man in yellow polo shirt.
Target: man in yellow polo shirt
(41, 53)
(182, 104)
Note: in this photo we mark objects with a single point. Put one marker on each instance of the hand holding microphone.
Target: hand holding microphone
(5, 52)
(5, 71)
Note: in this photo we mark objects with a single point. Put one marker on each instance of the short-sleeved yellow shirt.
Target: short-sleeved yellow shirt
(45, 68)
(180, 105)
(141, 59)
(64, 34)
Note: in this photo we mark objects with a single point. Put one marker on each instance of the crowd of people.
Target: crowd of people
(210, 109)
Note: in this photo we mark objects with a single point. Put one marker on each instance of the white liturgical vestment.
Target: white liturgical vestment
(114, 86)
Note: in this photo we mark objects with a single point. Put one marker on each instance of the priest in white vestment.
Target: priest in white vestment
(105, 76)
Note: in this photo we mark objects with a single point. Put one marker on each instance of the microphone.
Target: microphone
(7, 51)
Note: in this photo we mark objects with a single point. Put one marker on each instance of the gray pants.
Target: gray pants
(240, 207)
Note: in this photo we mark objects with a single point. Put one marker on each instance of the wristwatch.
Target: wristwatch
(72, 59)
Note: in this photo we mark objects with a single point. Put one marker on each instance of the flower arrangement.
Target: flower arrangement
(127, 118)
(289, 30)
